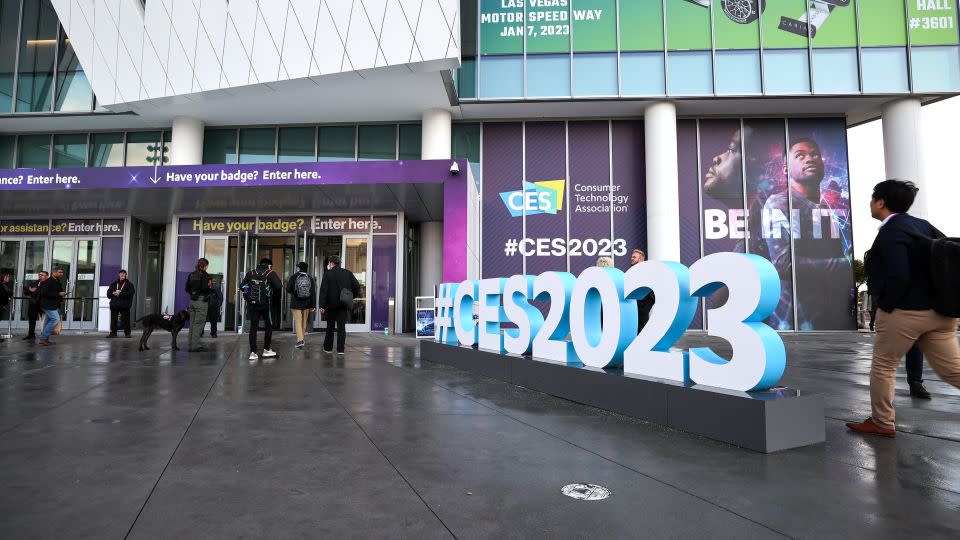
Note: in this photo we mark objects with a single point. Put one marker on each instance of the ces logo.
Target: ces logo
(536, 198)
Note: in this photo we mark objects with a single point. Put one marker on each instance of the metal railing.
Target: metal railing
(68, 323)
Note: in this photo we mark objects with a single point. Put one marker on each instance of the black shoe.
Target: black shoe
(30, 338)
(198, 349)
(918, 391)
(213, 335)
(126, 335)
(111, 336)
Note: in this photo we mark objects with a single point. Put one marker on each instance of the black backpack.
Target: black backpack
(944, 269)
(260, 289)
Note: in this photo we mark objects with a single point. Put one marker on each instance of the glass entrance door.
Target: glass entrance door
(34, 257)
(9, 264)
(215, 250)
(352, 250)
(79, 259)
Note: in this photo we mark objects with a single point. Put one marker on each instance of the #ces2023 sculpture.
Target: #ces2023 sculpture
(608, 364)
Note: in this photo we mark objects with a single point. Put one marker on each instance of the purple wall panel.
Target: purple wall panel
(589, 178)
(689, 191)
(502, 171)
(384, 280)
(629, 176)
(111, 259)
(188, 251)
(546, 160)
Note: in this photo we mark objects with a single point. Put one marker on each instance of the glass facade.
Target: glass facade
(66, 150)
(615, 48)
(39, 71)
(146, 148)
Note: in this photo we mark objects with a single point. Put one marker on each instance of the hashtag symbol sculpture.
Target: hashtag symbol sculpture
(510, 248)
(446, 333)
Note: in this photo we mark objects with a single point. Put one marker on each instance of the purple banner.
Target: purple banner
(113, 227)
(111, 259)
(384, 280)
(25, 227)
(689, 192)
(546, 161)
(188, 251)
(629, 177)
(384, 224)
(253, 175)
(502, 173)
(341, 224)
(590, 193)
(230, 225)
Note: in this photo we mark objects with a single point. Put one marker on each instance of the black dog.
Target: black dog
(173, 325)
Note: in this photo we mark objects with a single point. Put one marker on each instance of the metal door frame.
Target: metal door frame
(20, 277)
(68, 312)
(226, 270)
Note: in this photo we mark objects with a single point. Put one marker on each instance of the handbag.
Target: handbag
(346, 298)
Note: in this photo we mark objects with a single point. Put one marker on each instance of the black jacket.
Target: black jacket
(32, 296)
(898, 265)
(215, 305)
(302, 303)
(50, 294)
(125, 300)
(6, 293)
(196, 285)
(333, 282)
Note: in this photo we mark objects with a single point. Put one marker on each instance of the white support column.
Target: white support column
(903, 148)
(663, 197)
(186, 141)
(436, 134)
(435, 144)
(431, 256)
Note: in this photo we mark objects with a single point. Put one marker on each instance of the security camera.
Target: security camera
(454, 168)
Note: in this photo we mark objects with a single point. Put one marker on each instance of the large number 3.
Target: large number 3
(759, 357)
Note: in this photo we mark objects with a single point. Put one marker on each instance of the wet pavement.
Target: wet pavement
(100, 441)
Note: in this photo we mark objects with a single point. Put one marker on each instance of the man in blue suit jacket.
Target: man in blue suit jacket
(899, 272)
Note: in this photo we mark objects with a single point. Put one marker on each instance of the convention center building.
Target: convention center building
(429, 141)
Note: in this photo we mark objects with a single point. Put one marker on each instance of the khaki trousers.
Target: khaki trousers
(936, 336)
(300, 318)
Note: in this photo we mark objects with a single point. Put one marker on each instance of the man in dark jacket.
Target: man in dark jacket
(121, 294)
(335, 280)
(303, 300)
(645, 304)
(31, 290)
(199, 291)
(260, 286)
(6, 296)
(51, 296)
(215, 307)
(898, 271)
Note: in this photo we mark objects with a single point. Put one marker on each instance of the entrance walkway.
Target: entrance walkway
(100, 441)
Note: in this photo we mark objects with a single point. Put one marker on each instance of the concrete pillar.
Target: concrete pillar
(186, 141)
(435, 144)
(431, 256)
(663, 197)
(903, 148)
(436, 134)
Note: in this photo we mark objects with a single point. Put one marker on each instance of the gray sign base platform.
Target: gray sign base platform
(768, 421)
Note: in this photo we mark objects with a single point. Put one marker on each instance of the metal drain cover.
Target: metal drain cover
(585, 492)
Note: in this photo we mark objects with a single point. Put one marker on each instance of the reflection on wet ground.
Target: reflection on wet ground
(100, 441)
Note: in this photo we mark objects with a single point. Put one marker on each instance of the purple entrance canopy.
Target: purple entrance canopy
(271, 175)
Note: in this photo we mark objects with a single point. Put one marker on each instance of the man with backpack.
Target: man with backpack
(337, 292)
(259, 287)
(303, 295)
(917, 299)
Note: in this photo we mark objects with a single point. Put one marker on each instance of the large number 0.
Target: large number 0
(650, 353)
(759, 357)
(550, 342)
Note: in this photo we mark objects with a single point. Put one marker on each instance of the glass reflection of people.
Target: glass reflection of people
(819, 252)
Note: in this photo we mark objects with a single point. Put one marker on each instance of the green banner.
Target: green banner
(501, 26)
(594, 25)
(883, 23)
(641, 26)
(688, 26)
(737, 29)
(548, 26)
(933, 22)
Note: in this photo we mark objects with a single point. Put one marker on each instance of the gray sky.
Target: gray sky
(940, 151)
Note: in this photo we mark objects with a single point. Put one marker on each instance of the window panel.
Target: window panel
(377, 142)
(258, 145)
(337, 143)
(411, 138)
(641, 26)
(884, 69)
(501, 77)
(688, 26)
(595, 74)
(835, 71)
(38, 44)
(106, 150)
(144, 148)
(935, 69)
(690, 72)
(296, 144)
(466, 142)
(34, 151)
(219, 146)
(8, 144)
(548, 75)
(642, 74)
(9, 21)
(70, 150)
(738, 72)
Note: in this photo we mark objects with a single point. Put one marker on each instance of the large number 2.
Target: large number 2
(550, 342)
(759, 357)
(650, 353)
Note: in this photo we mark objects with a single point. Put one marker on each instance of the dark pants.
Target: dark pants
(33, 315)
(119, 318)
(914, 365)
(256, 315)
(336, 322)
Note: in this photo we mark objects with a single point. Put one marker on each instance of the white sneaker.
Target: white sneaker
(253, 356)
(340, 353)
(268, 353)
(299, 344)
